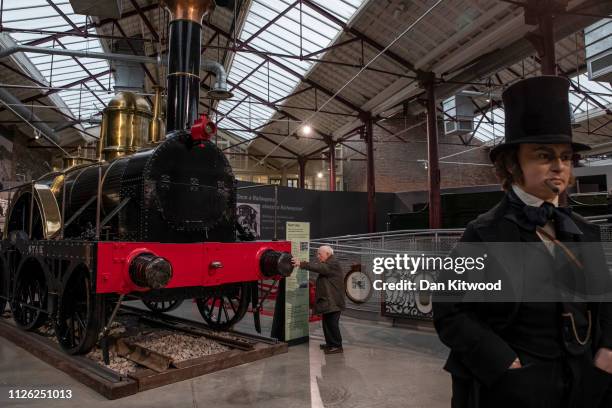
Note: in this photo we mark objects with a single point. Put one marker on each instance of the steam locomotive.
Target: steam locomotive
(152, 219)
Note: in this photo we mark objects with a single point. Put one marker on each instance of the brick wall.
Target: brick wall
(396, 163)
(18, 163)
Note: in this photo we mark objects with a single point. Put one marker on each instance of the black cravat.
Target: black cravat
(561, 215)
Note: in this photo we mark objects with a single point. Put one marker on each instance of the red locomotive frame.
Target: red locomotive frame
(197, 264)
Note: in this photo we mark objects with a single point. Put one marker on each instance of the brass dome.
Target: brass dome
(125, 126)
(129, 101)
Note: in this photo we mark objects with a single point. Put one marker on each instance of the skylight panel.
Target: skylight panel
(599, 94)
(488, 131)
(91, 94)
(269, 82)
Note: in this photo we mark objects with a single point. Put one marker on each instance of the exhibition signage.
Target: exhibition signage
(296, 285)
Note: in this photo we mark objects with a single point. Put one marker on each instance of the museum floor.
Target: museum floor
(381, 367)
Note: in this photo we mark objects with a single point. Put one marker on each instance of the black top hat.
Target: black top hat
(537, 111)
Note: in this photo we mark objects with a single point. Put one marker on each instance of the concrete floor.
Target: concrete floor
(381, 367)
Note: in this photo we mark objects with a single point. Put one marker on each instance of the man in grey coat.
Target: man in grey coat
(329, 295)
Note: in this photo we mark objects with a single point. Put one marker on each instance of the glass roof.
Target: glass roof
(598, 91)
(267, 82)
(491, 127)
(581, 106)
(84, 98)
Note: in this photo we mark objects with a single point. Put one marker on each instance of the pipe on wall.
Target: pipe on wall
(219, 90)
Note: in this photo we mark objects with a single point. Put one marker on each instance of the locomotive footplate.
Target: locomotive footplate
(187, 349)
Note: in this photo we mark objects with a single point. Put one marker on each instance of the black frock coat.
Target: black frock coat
(474, 332)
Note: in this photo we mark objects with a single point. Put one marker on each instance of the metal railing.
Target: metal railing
(351, 250)
(360, 250)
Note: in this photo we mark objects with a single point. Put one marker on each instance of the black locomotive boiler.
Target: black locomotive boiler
(151, 219)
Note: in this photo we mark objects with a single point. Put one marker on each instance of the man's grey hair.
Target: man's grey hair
(327, 249)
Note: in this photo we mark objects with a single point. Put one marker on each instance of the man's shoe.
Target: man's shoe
(333, 350)
(323, 346)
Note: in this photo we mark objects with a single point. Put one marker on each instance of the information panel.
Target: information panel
(296, 285)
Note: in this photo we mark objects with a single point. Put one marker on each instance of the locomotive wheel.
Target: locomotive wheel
(224, 307)
(80, 315)
(30, 299)
(162, 306)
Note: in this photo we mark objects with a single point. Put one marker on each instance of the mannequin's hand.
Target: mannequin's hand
(603, 359)
(515, 364)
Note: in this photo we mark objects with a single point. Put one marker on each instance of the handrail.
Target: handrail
(413, 232)
(598, 217)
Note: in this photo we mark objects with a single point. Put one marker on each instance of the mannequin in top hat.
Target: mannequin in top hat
(533, 354)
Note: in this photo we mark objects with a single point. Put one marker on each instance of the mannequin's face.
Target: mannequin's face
(545, 163)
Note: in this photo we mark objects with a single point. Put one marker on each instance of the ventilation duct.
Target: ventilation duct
(129, 76)
(97, 8)
(598, 47)
(458, 115)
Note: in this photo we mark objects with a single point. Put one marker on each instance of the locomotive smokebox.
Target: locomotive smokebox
(150, 271)
(275, 263)
(183, 79)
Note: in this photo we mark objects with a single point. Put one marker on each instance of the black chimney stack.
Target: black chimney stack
(183, 79)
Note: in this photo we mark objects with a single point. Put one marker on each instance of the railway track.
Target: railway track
(147, 350)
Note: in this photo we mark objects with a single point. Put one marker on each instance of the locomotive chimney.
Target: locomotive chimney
(183, 79)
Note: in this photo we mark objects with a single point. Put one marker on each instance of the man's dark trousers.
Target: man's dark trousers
(331, 329)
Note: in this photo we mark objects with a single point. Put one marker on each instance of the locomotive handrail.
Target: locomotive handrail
(17, 187)
(98, 202)
(62, 172)
(32, 198)
(31, 185)
(114, 211)
(75, 215)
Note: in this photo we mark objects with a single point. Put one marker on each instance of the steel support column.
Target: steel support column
(371, 185)
(283, 176)
(549, 63)
(302, 176)
(433, 166)
(332, 167)
(542, 13)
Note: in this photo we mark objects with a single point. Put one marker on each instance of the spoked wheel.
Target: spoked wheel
(80, 315)
(225, 306)
(162, 306)
(30, 299)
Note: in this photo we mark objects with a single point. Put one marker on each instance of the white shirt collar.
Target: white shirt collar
(530, 199)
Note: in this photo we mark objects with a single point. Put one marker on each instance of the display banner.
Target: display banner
(329, 213)
(296, 285)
